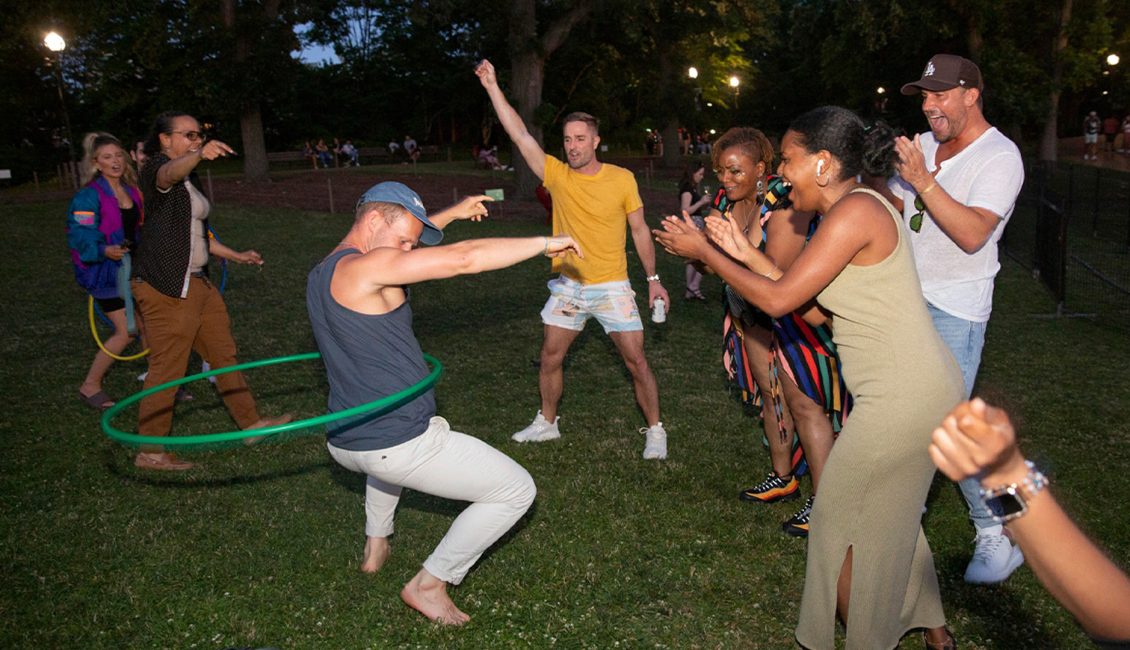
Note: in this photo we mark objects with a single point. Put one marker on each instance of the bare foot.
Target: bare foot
(376, 552)
(262, 423)
(427, 594)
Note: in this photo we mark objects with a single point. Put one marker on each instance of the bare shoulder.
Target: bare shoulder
(359, 284)
(362, 270)
(858, 216)
(856, 206)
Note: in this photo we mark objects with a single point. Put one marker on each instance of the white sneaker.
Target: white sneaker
(540, 430)
(994, 557)
(656, 446)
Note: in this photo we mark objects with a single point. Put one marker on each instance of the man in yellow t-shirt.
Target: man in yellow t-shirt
(596, 204)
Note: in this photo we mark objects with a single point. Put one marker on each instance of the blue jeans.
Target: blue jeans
(966, 340)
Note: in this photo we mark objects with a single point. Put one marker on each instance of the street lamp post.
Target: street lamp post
(734, 83)
(57, 44)
(692, 72)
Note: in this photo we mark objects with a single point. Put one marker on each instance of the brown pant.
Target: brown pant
(174, 327)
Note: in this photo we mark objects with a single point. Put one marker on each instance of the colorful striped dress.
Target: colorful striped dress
(805, 352)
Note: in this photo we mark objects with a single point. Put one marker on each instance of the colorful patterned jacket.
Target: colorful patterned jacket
(94, 221)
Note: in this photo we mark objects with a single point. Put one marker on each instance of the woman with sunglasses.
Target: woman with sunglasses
(868, 559)
(183, 310)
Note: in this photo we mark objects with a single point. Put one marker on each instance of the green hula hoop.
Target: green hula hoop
(183, 442)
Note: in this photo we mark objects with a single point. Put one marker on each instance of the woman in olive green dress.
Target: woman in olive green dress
(868, 559)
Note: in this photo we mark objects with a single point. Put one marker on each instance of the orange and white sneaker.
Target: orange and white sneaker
(772, 489)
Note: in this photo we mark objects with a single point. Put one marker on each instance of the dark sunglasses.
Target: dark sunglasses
(916, 218)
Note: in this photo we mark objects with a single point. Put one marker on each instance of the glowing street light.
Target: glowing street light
(734, 83)
(692, 72)
(880, 90)
(1112, 59)
(54, 42)
(57, 44)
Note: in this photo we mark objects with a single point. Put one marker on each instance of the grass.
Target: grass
(259, 546)
(1096, 211)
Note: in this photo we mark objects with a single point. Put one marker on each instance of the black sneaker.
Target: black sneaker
(772, 489)
(797, 525)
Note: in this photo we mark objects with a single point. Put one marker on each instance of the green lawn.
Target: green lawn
(259, 546)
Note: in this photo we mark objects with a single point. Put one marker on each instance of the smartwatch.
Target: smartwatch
(1009, 502)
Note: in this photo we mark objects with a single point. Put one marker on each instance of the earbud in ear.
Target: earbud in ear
(819, 167)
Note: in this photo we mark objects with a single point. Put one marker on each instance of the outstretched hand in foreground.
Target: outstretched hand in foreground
(976, 439)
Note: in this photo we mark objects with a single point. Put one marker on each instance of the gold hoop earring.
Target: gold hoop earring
(819, 184)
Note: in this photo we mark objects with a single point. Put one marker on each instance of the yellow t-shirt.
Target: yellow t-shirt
(593, 210)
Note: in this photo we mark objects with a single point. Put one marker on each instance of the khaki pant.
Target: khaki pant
(173, 328)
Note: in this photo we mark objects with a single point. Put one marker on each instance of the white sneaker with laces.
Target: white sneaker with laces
(994, 557)
(540, 430)
(656, 446)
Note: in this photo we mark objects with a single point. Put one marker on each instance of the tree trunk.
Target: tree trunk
(672, 147)
(1049, 141)
(528, 54)
(255, 166)
(527, 71)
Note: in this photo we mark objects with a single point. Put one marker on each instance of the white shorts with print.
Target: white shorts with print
(571, 304)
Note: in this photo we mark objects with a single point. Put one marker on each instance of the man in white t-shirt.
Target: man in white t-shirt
(956, 187)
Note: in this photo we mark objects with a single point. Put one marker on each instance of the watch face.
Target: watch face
(1006, 504)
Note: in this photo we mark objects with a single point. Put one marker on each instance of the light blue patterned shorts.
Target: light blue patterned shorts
(571, 304)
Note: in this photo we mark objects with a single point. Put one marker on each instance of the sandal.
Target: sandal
(949, 644)
(99, 401)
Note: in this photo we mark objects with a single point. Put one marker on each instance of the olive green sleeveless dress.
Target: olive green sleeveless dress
(904, 381)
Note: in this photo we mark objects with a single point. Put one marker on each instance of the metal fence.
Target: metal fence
(1071, 228)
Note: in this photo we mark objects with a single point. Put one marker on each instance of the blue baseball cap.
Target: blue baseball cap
(400, 194)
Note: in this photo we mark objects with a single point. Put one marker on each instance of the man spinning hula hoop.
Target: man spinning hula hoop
(362, 321)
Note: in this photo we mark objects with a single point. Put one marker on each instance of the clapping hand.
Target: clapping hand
(727, 234)
(681, 237)
(911, 164)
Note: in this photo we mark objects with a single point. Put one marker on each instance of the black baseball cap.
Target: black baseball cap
(946, 71)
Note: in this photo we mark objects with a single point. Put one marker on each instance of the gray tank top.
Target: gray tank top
(367, 357)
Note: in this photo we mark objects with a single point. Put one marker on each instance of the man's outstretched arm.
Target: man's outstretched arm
(530, 149)
(383, 267)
